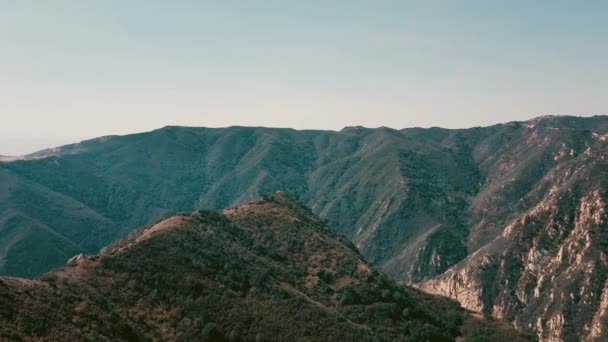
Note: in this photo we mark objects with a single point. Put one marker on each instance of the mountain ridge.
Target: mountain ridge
(266, 270)
(47, 152)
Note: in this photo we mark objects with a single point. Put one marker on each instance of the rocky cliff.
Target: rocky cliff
(538, 255)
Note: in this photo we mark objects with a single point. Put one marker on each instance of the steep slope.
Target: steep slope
(44, 227)
(539, 234)
(266, 271)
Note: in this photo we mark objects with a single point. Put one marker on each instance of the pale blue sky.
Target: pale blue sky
(83, 68)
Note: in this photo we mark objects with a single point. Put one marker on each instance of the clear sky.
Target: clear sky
(84, 68)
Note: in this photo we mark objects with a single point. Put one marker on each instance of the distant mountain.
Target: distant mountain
(265, 271)
(455, 212)
(41, 228)
(369, 183)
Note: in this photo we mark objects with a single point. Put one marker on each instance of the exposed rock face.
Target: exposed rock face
(545, 267)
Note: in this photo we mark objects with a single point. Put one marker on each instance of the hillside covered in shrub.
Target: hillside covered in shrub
(265, 271)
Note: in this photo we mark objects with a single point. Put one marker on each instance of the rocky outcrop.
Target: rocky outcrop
(546, 270)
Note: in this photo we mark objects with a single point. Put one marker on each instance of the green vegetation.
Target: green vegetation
(266, 271)
(416, 202)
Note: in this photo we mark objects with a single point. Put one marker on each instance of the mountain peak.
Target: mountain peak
(281, 197)
(265, 271)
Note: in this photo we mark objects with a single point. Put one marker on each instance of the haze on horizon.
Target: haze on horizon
(71, 70)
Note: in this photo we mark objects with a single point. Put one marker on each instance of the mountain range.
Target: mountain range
(268, 270)
(510, 220)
